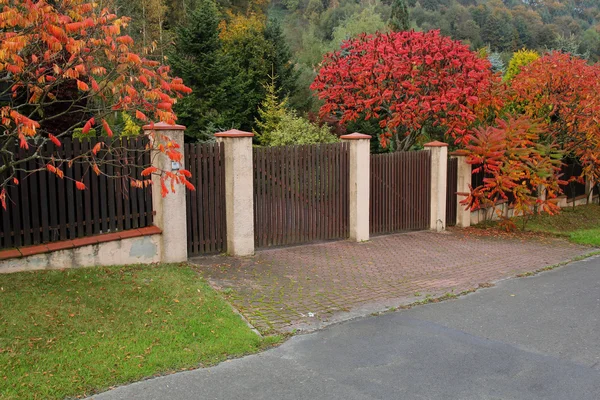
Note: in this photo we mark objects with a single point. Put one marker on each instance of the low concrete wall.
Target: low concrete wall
(136, 250)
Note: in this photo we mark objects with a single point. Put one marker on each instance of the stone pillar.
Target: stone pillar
(589, 190)
(439, 184)
(542, 196)
(464, 171)
(239, 191)
(170, 211)
(360, 163)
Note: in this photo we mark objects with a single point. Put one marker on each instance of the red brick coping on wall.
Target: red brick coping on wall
(71, 244)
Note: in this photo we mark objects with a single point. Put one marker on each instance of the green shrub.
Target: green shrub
(520, 59)
(297, 130)
(78, 134)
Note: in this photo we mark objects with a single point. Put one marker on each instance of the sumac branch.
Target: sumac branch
(66, 67)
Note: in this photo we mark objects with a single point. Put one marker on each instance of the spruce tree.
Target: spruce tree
(270, 113)
(286, 75)
(399, 19)
(197, 58)
(497, 64)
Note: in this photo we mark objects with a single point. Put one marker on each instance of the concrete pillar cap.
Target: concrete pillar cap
(435, 143)
(234, 133)
(355, 136)
(163, 126)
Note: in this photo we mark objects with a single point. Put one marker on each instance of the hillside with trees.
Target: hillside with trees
(515, 83)
(304, 30)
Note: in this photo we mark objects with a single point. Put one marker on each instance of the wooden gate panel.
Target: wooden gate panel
(400, 191)
(451, 189)
(300, 194)
(205, 206)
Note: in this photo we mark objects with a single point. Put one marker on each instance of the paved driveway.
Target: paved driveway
(307, 287)
(534, 338)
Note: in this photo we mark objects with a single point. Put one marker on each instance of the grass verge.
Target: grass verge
(75, 332)
(579, 225)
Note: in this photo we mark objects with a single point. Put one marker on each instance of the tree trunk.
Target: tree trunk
(403, 141)
(160, 38)
(144, 24)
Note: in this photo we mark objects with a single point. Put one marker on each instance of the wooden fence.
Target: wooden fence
(205, 207)
(400, 191)
(569, 169)
(300, 194)
(451, 189)
(572, 189)
(44, 208)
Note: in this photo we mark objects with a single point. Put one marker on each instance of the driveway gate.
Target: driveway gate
(206, 227)
(400, 191)
(300, 193)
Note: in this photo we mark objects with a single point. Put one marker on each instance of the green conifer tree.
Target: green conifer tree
(399, 19)
(270, 113)
(519, 60)
(197, 58)
(286, 75)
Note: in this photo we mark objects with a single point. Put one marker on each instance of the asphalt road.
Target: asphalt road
(527, 338)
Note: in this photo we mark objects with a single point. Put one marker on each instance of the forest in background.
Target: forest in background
(230, 56)
(518, 93)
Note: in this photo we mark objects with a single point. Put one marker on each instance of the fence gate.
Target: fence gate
(400, 191)
(300, 194)
(451, 189)
(205, 207)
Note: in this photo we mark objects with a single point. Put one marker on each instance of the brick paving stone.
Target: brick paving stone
(277, 288)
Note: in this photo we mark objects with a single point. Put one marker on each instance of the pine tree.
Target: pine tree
(497, 64)
(399, 19)
(519, 60)
(569, 44)
(497, 32)
(270, 113)
(197, 58)
(281, 59)
(257, 50)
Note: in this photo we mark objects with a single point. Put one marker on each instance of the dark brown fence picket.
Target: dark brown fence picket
(43, 208)
(451, 189)
(300, 194)
(400, 191)
(570, 170)
(205, 206)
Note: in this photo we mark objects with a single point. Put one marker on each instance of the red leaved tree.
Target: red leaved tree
(408, 81)
(65, 66)
(564, 92)
(516, 165)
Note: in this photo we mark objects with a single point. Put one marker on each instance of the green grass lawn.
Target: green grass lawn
(580, 224)
(76, 332)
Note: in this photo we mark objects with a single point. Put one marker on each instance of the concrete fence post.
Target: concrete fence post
(464, 172)
(170, 211)
(589, 190)
(239, 191)
(359, 185)
(439, 184)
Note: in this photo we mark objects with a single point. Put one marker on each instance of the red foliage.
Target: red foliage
(405, 80)
(564, 91)
(332, 122)
(68, 57)
(516, 166)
